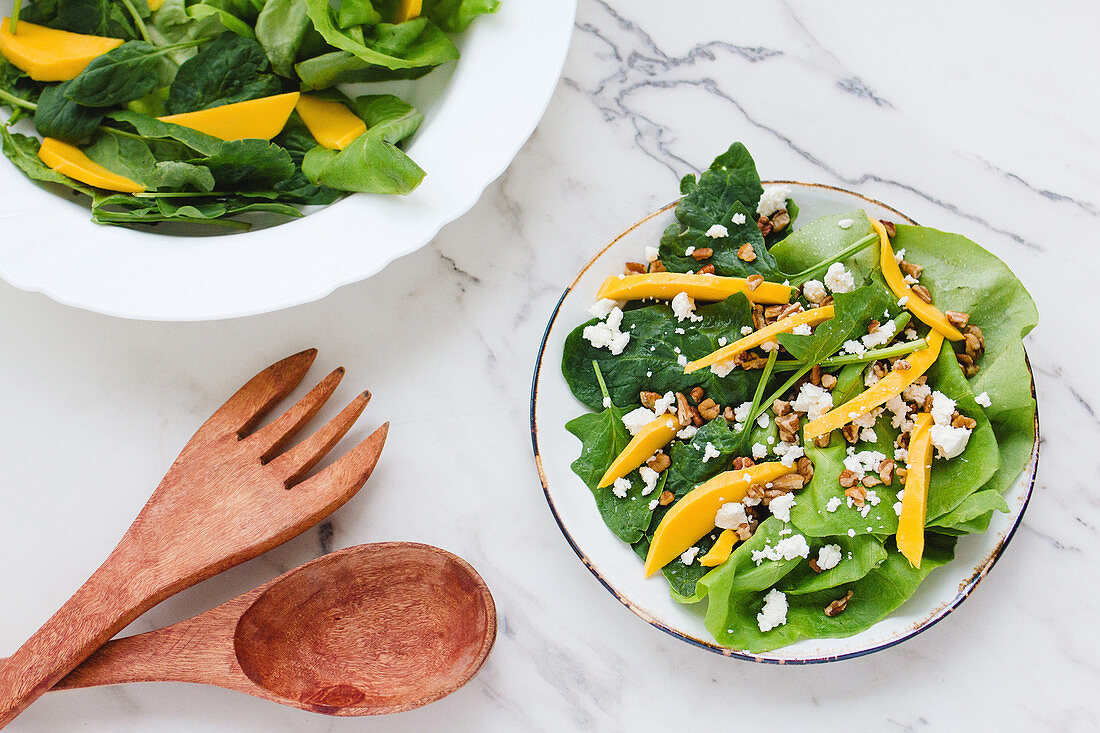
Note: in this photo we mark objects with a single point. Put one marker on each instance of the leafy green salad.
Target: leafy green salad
(200, 111)
(795, 422)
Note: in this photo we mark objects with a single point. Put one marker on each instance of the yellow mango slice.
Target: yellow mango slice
(693, 516)
(47, 54)
(667, 285)
(72, 162)
(652, 437)
(721, 550)
(332, 124)
(918, 468)
(926, 312)
(889, 386)
(407, 10)
(754, 339)
(262, 118)
(154, 5)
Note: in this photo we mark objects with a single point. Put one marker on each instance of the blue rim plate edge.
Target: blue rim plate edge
(965, 589)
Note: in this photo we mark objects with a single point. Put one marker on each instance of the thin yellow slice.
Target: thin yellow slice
(655, 435)
(154, 5)
(262, 118)
(889, 386)
(926, 312)
(72, 162)
(910, 537)
(48, 54)
(407, 10)
(721, 550)
(768, 333)
(332, 124)
(667, 285)
(693, 516)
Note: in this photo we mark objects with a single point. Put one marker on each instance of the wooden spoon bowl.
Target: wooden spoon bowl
(369, 630)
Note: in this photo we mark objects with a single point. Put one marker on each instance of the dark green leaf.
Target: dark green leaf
(175, 175)
(343, 67)
(128, 72)
(414, 44)
(124, 155)
(355, 13)
(22, 150)
(60, 117)
(227, 70)
(280, 28)
(151, 127)
(248, 164)
(94, 17)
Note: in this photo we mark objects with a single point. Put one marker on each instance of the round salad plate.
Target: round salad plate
(616, 565)
(479, 113)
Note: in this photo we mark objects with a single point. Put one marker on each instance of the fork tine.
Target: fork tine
(252, 401)
(273, 437)
(339, 482)
(299, 460)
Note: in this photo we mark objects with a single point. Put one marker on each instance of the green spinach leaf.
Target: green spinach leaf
(128, 72)
(281, 28)
(416, 43)
(227, 70)
(60, 117)
(22, 150)
(248, 164)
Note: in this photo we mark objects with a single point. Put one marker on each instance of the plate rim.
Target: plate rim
(981, 570)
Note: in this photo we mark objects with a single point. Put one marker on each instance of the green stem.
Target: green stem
(122, 133)
(17, 101)
(890, 351)
(798, 279)
(123, 218)
(138, 21)
(15, 16)
(765, 375)
(599, 378)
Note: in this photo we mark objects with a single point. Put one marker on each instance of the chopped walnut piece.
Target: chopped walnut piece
(848, 478)
(902, 365)
(635, 268)
(697, 394)
(744, 532)
(764, 224)
(780, 407)
(789, 310)
(649, 399)
(850, 433)
(684, 410)
(771, 312)
(702, 253)
(780, 220)
(968, 366)
(922, 292)
(815, 375)
(659, 462)
(812, 562)
(902, 441)
(757, 309)
(975, 342)
(901, 472)
(873, 326)
(805, 468)
(706, 270)
(666, 498)
(657, 266)
(756, 491)
(857, 494)
(878, 369)
(891, 230)
(746, 253)
(709, 409)
(788, 423)
(886, 471)
(742, 462)
(728, 414)
(962, 421)
(827, 300)
(754, 282)
(957, 319)
(789, 482)
(822, 441)
(755, 363)
(910, 269)
(870, 481)
(828, 381)
(837, 607)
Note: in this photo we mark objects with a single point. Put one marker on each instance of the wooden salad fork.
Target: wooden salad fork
(232, 494)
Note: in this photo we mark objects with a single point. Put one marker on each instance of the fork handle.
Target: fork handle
(116, 594)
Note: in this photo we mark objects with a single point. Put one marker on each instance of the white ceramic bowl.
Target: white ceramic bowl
(476, 123)
(616, 565)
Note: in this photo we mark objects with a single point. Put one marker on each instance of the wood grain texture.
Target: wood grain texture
(219, 505)
(372, 629)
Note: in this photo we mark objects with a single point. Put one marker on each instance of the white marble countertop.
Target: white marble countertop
(973, 117)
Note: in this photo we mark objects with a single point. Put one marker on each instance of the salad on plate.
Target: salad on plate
(794, 422)
(201, 111)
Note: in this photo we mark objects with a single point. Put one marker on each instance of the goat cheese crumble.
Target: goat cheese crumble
(814, 291)
(802, 329)
(738, 218)
(689, 555)
(781, 507)
(828, 557)
(774, 199)
(652, 254)
(731, 516)
(649, 478)
(710, 452)
(774, 612)
(813, 400)
(684, 307)
(845, 223)
(787, 548)
(638, 418)
(717, 231)
(838, 279)
(983, 399)
(606, 333)
(620, 487)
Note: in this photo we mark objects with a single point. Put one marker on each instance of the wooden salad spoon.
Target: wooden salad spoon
(232, 494)
(373, 629)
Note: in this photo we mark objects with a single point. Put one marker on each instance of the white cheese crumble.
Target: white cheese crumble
(868, 435)
(682, 360)
(838, 279)
(722, 340)
(689, 555)
(781, 507)
(723, 369)
(602, 308)
(917, 393)
(789, 453)
(649, 478)
(738, 218)
(855, 347)
(653, 504)
(689, 251)
(899, 255)
(759, 451)
(881, 336)
(638, 418)
(606, 334)
(813, 400)
(606, 402)
(763, 420)
(746, 330)
(828, 557)
(652, 254)
(731, 516)
(983, 399)
(688, 432)
(802, 329)
(684, 307)
(814, 291)
(845, 223)
(741, 412)
(787, 548)
(774, 199)
(717, 231)
(903, 301)
(774, 612)
(943, 407)
(833, 504)
(949, 440)
(710, 452)
(910, 280)
(863, 462)
(900, 411)
(620, 487)
(664, 404)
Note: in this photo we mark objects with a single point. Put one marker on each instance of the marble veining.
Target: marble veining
(966, 116)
